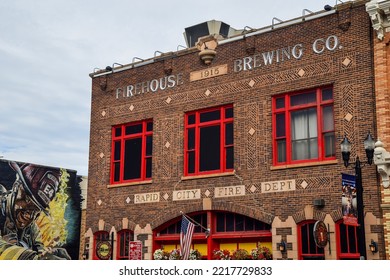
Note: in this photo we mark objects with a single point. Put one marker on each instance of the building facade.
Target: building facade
(240, 133)
(379, 13)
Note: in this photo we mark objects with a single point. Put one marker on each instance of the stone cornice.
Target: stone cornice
(379, 12)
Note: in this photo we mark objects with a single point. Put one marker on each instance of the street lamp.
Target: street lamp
(369, 146)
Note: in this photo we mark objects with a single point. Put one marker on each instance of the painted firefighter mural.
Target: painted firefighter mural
(39, 212)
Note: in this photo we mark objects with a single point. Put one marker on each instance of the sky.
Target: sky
(48, 48)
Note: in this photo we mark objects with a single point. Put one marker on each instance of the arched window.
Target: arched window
(124, 237)
(228, 231)
(307, 248)
(347, 242)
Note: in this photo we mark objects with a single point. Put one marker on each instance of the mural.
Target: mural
(40, 210)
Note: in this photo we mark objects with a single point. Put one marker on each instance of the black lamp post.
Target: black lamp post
(369, 146)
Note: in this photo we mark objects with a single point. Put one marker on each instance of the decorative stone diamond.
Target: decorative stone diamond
(99, 202)
(252, 131)
(208, 92)
(346, 61)
(301, 72)
(167, 145)
(131, 108)
(253, 188)
(251, 83)
(166, 196)
(128, 200)
(207, 193)
(348, 117)
(101, 155)
(104, 113)
(304, 184)
(168, 100)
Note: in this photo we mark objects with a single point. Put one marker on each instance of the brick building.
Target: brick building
(379, 14)
(240, 132)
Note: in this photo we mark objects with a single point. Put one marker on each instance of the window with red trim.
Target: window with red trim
(99, 236)
(232, 222)
(308, 250)
(303, 126)
(209, 141)
(132, 145)
(347, 240)
(123, 241)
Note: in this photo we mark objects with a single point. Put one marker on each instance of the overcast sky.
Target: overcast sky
(48, 48)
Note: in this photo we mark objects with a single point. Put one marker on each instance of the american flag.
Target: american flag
(187, 229)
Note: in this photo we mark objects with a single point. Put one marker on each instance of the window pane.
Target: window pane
(343, 238)
(328, 121)
(352, 239)
(132, 162)
(312, 244)
(304, 98)
(210, 116)
(228, 113)
(220, 222)
(249, 224)
(116, 172)
(117, 150)
(239, 226)
(191, 139)
(281, 150)
(280, 103)
(210, 148)
(329, 144)
(132, 129)
(149, 126)
(304, 134)
(229, 134)
(305, 239)
(118, 131)
(313, 148)
(149, 145)
(172, 229)
(191, 162)
(191, 119)
(229, 158)
(280, 125)
(229, 222)
(149, 168)
(327, 94)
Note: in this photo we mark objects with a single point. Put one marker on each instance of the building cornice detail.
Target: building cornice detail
(379, 12)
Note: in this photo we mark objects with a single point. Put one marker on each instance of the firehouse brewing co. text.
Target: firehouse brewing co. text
(267, 58)
(262, 59)
(150, 86)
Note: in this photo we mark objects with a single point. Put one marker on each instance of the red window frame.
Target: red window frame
(307, 249)
(347, 241)
(163, 236)
(97, 237)
(197, 125)
(285, 111)
(119, 138)
(124, 237)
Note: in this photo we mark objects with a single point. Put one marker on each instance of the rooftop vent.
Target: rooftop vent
(212, 27)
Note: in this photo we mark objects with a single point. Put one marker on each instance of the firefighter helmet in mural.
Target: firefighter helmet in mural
(39, 183)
